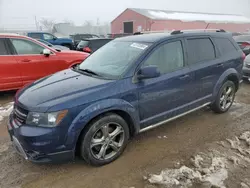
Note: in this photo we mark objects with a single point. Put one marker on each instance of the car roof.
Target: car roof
(93, 39)
(155, 37)
(9, 35)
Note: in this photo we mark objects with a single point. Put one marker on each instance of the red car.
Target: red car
(24, 60)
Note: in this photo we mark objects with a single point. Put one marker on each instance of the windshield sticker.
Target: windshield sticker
(140, 46)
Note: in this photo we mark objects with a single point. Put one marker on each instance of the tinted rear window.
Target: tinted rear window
(3, 49)
(83, 44)
(225, 45)
(35, 35)
(95, 44)
(200, 50)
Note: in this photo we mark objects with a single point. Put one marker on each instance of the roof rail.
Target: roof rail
(160, 31)
(195, 30)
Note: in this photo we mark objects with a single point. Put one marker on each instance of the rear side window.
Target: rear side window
(3, 48)
(200, 50)
(95, 44)
(83, 44)
(225, 45)
(35, 35)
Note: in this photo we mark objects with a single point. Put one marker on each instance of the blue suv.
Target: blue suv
(128, 86)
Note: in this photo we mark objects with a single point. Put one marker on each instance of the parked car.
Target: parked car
(244, 43)
(128, 86)
(52, 39)
(24, 60)
(91, 45)
(56, 47)
(246, 69)
(78, 37)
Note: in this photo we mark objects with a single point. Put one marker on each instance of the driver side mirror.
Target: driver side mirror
(46, 52)
(148, 72)
(54, 38)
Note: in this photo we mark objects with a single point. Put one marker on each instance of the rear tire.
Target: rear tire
(225, 97)
(104, 140)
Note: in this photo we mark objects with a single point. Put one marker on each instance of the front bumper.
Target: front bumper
(39, 145)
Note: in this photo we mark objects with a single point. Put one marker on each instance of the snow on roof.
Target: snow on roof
(191, 16)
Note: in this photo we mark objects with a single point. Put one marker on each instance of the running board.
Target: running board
(173, 118)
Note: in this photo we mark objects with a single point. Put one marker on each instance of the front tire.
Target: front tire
(225, 97)
(104, 140)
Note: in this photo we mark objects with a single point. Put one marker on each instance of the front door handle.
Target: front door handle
(184, 76)
(26, 60)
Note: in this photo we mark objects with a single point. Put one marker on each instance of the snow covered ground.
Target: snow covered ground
(5, 110)
(209, 169)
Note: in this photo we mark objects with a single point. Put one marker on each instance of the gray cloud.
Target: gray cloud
(21, 13)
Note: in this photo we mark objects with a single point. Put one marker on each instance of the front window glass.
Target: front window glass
(113, 59)
(168, 58)
(48, 36)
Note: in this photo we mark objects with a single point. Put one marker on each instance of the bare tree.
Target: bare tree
(47, 24)
(70, 22)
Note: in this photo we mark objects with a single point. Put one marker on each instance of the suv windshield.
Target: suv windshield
(113, 59)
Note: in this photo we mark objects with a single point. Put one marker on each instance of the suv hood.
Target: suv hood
(63, 90)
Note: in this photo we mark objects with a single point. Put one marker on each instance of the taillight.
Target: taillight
(87, 49)
(245, 44)
(243, 56)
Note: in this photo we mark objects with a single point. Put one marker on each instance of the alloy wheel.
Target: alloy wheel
(107, 141)
(227, 97)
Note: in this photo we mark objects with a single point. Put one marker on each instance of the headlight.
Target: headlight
(45, 119)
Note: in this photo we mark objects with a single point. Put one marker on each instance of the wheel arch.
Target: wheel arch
(116, 106)
(230, 74)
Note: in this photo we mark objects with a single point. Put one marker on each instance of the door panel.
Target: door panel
(204, 64)
(32, 63)
(164, 97)
(10, 77)
(170, 94)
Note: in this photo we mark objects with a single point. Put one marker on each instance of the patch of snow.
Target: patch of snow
(5, 110)
(239, 109)
(3, 148)
(246, 137)
(209, 168)
(188, 17)
(215, 175)
(243, 185)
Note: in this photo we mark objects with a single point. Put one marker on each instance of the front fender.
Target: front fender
(98, 108)
(223, 78)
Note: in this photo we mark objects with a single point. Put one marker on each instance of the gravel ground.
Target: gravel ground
(169, 147)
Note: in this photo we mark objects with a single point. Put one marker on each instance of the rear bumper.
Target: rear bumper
(246, 72)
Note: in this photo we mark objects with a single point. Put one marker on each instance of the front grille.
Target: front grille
(20, 115)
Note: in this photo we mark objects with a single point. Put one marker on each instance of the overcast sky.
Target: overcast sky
(21, 13)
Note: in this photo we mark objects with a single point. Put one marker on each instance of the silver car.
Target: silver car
(246, 68)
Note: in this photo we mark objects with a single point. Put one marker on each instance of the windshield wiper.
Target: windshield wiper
(88, 71)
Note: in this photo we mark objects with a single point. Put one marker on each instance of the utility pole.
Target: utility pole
(98, 26)
(36, 23)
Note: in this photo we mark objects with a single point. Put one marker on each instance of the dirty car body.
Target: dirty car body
(128, 86)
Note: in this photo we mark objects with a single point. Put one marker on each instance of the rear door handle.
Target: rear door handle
(184, 76)
(26, 60)
(220, 65)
